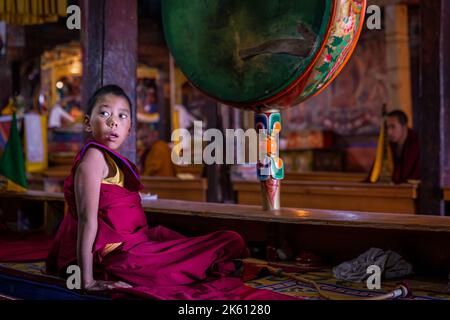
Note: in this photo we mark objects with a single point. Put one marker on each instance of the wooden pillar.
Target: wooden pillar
(226, 186)
(397, 59)
(165, 119)
(445, 95)
(213, 170)
(109, 47)
(15, 72)
(5, 81)
(434, 103)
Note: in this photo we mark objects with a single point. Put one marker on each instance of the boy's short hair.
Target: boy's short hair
(400, 115)
(108, 89)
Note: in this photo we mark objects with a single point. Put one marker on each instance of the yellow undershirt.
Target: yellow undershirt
(115, 175)
(117, 178)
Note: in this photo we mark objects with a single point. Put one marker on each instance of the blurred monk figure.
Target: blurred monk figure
(405, 149)
(157, 161)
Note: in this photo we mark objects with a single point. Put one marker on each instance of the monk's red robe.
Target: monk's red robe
(158, 262)
(407, 165)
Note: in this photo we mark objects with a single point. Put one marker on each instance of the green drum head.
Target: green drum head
(245, 51)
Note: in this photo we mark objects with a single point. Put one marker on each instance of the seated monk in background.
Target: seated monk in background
(157, 161)
(404, 145)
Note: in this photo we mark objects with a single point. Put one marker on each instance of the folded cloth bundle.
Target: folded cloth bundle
(392, 266)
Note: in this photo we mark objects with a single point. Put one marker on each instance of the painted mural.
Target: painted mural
(351, 105)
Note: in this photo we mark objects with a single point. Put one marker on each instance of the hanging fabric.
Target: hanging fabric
(29, 12)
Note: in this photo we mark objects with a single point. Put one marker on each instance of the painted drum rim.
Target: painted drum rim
(349, 53)
(281, 104)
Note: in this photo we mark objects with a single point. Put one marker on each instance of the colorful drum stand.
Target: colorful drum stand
(263, 56)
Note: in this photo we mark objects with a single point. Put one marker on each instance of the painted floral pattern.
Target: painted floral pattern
(339, 46)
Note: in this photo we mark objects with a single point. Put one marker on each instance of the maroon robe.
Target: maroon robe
(158, 262)
(407, 165)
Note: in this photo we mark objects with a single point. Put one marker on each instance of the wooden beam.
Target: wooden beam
(109, 44)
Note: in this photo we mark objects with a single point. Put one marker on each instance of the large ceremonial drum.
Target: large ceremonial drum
(263, 55)
(269, 54)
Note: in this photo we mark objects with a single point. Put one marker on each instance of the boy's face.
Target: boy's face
(110, 121)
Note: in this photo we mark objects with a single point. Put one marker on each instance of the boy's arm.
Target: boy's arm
(88, 177)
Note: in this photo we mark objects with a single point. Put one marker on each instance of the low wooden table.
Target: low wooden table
(194, 189)
(447, 193)
(255, 213)
(325, 176)
(335, 235)
(51, 204)
(336, 195)
(175, 188)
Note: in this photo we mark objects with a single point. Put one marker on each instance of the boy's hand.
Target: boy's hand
(101, 285)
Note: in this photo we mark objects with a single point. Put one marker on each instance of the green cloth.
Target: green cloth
(12, 163)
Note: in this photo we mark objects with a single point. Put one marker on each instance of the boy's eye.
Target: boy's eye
(123, 116)
(104, 113)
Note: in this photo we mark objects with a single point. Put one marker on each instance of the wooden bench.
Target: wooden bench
(194, 189)
(335, 235)
(336, 195)
(447, 193)
(325, 176)
(50, 203)
(175, 188)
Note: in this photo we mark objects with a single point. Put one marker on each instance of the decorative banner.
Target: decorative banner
(21, 12)
(5, 125)
(36, 143)
(11, 161)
